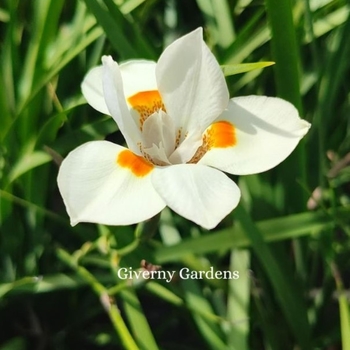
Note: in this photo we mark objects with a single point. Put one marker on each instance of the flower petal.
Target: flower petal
(159, 134)
(199, 193)
(186, 149)
(138, 76)
(105, 183)
(92, 90)
(116, 103)
(191, 83)
(266, 131)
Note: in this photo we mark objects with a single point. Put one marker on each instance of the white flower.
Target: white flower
(182, 132)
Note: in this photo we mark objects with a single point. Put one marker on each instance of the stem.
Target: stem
(109, 306)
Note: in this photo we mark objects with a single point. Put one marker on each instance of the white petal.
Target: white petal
(267, 130)
(92, 90)
(191, 83)
(96, 188)
(199, 193)
(138, 76)
(159, 133)
(116, 103)
(186, 149)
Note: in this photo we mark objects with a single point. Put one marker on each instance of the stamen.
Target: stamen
(178, 138)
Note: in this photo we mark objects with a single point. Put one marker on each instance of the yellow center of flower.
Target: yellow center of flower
(139, 166)
(146, 103)
(218, 135)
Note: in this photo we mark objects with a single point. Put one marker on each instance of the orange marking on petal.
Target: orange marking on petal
(218, 135)
(146, 103)
(137, 165)
(221, 135)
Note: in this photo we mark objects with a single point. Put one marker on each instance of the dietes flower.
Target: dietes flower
(182, 132)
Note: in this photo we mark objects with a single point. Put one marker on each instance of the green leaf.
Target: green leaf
(344, 309)
(123, 36)
(219, 21)
(238, 301)
(285, 53)
(8, 287)
(14, 344)
(27, 163)
(195, 300)
(288, 296)
(231, 69)
(140, 328)
(273, 230)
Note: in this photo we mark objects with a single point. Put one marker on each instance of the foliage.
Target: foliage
(59, 286)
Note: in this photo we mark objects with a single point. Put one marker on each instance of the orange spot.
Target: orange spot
(218, 135)
(137, 165)
(221, 135)
(146, 103)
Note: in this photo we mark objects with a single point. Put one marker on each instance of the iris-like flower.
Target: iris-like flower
(182, 133)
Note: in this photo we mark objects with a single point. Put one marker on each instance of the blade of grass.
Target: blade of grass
(344, 309)
(208, 328)
(138, 322)
(288, 296)
(28, 162)
(253, 35)
(45, 22)
(285, 54)
(329, 22)
(286, 58)
(273, 230)
(231, 69)
(331, 84)
(238, 301)
(134, 35)
(111, 309)
(67, 57)
(115, 27)
(218, 20)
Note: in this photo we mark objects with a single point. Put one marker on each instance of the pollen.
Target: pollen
(139, 166)
(218, 135)
(178, 138)
(146, 103)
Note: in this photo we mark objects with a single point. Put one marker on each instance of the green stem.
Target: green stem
(147, 229)
(111, 309)
(343, 307)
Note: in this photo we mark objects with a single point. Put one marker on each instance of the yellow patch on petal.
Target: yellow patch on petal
(146, 103)
(137, 165)
(218, 135)
(221, 135)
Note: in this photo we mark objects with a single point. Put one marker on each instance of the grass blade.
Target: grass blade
(287, 294)
(140, 328)
(238, 301)
(273, 230)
